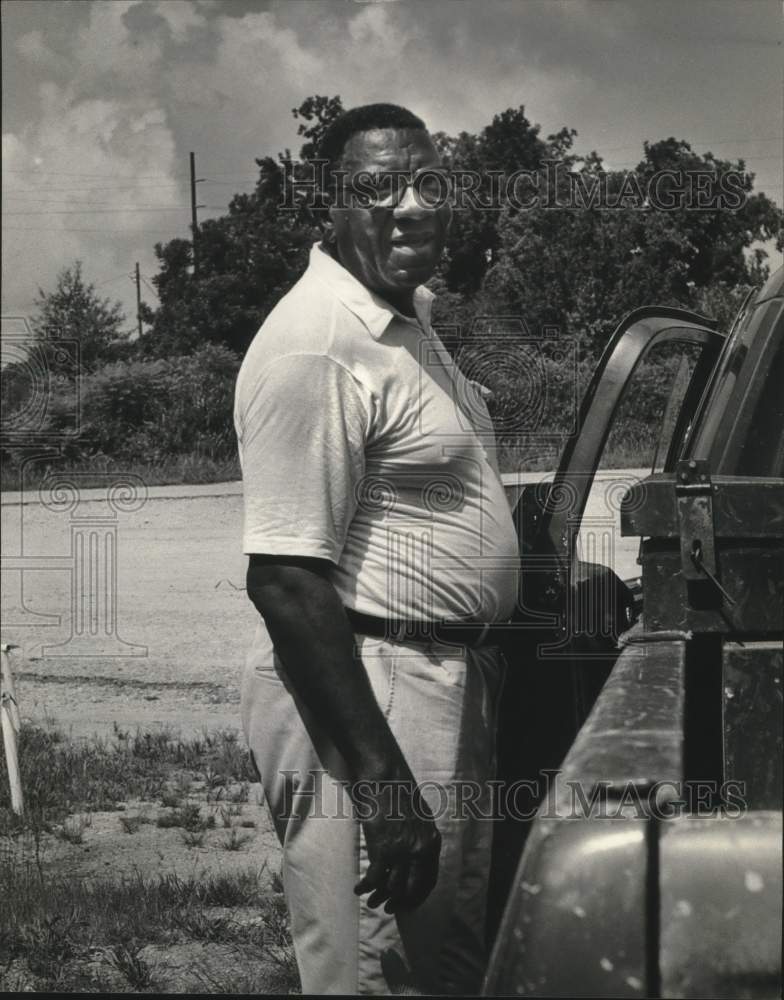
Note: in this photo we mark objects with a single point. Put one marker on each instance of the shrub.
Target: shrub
(150, 411)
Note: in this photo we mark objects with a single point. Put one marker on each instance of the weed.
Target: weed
(239, 793)
(276, 882)
(240, 889)
(214, 779)
(188, 817)
(132, 824)
(248, 982)
(276, 938)
(172, 800)
(72, 830)
(126, 959)
(192, 838)
(203, 926)
(234, 841)
(167, 821)
(248, 824)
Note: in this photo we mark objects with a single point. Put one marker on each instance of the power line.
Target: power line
(108, 230)
(108, 177)
(93, 187)
(110, 281)
(101, 211)
(27, 205)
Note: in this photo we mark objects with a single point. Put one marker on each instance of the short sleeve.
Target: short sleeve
(302, 424)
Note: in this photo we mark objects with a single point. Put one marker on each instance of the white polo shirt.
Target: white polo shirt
(361, 443)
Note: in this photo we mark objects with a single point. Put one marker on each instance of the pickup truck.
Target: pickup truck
(642, 718)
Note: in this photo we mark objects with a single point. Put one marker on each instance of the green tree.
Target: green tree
(316, 115)
(74, 311)
(508, 144)
(583, 268)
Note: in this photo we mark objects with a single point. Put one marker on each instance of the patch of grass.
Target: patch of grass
(234, 841)
(229, 813)
(239, 889)
(201, 925)
(60, 776)
(171, 800)
(55, 922)
(239, 793)
(188, 817)
(192, 838)
(132, 824)
(275, 934)
(126, 959)
(248, 824)
(276, 883)
(72, 830)
(239, 983)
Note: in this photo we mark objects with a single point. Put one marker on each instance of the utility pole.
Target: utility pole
(194, 220)
(138, 299)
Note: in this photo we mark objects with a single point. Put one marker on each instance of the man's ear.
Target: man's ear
(327, 227)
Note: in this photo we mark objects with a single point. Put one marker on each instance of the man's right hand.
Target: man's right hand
(403, 845)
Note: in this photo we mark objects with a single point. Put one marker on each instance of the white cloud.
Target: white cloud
(256, 48)
(373, 26)
(141, 83)
(34, 49)
(182, 17)
(106, 46)
(93, 178)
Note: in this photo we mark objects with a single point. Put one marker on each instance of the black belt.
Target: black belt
(399, 630)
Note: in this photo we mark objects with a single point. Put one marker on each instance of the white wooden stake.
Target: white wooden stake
(11, 723)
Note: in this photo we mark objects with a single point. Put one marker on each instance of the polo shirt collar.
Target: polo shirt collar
(375, 313)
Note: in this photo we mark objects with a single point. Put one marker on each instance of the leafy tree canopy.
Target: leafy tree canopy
(74, 311)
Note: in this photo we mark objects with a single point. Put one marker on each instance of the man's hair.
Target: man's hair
(362, 119)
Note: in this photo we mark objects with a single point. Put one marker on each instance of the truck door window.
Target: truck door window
(640, 442)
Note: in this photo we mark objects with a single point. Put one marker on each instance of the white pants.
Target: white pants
(441, 705)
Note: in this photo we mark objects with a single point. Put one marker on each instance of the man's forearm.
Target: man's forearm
(312, 636)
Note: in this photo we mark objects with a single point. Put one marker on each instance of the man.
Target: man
(380, 546)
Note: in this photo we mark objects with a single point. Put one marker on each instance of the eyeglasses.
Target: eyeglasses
(432, 187)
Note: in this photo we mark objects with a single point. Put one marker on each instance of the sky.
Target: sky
(103, 101)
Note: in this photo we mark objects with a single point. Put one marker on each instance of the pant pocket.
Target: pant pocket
(379, 659)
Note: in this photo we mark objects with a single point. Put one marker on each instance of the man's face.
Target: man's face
(390, 247)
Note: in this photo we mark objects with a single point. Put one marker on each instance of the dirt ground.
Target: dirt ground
(181, 630)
